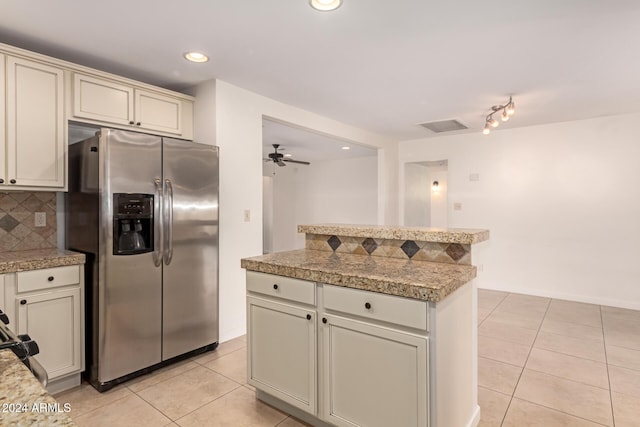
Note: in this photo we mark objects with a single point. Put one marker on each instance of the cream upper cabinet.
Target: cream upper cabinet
(34, 151)
(158, 112)
(106, 101)
(103, 100)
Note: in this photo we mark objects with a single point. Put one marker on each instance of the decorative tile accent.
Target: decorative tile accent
(8, 223)
(450, 253)
(455, 251)
(410, 248)
(17, 221)
(369, 245)
(334, 242)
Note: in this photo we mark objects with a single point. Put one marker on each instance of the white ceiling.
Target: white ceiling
(384, 66)
(306, 145)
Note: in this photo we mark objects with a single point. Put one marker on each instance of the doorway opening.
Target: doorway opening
(425, 195)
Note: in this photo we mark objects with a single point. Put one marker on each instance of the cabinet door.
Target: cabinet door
(373, 376)
(102, 100)
(53, 320)
(158, 112)
(36, 149)
(282, 352)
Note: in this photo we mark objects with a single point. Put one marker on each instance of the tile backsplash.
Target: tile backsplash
(17, 221)
(452, 253)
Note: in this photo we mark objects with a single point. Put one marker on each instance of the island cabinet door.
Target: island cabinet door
(373, 376)
(281, 348)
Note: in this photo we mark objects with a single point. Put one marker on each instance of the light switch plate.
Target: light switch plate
(41, 219)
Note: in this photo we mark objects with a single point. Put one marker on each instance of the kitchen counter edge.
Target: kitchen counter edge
(11, 262)
(423, 280)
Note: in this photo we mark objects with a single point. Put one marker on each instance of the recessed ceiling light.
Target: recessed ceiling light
(346, 148)
(325, 5)
(196, 57)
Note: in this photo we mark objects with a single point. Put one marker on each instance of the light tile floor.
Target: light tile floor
(542, 362)
(548, 362)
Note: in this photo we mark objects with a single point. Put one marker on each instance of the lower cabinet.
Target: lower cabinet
(53, 320)
(363, 361)
(372, 376)
(282, 351)
(49, 307)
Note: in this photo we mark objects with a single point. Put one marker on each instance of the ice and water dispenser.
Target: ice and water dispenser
(132, 223)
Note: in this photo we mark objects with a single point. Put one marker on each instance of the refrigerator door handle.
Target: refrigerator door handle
(158, 224)
(169, 225)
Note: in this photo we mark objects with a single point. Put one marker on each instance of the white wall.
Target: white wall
(334, 191)
(417, 195)
(561, 202)
(231, 118)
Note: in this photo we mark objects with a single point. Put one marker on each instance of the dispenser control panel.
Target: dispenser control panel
(133, 205)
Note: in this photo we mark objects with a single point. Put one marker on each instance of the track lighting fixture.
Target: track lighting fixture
(507, 110)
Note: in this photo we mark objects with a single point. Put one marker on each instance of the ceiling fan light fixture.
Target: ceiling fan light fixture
(196, 57)
(325, 5)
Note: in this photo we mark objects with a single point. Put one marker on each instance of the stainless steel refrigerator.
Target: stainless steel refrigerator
(144, 210)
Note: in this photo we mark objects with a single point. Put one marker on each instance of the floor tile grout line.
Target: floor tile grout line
(562, 412)
(525, 363)
(568, 379)
(99, 407)
(606, 360)
(128, 386)
(199, 407)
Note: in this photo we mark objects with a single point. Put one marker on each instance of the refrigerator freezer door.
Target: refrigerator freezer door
(190, 262)
(130, 290)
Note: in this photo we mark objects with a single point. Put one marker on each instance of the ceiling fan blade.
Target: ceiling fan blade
(280, 163)
(297, 161)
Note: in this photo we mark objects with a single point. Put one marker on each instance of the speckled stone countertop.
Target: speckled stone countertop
(10, 262)
(438, 235)
(23, 401)
(429, 281)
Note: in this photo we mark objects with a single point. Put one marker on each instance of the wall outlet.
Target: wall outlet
(457, 206)
(41, 219)
(247, 215)
(474, 177)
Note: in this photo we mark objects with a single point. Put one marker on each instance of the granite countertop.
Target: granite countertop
(438, 235)
(10, 262)
(23, 401)
(429, 281)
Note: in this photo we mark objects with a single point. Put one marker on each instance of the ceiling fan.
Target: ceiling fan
(278, 158)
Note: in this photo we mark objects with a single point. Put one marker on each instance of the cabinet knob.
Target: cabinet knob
(13, 181)
(308, 317)
(324, 320)
(1, 181)
(131, 122)
(50, 278)
(275, 286)
(23, 301)
(367, 305)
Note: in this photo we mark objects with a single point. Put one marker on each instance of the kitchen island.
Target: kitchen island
(367, 326)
